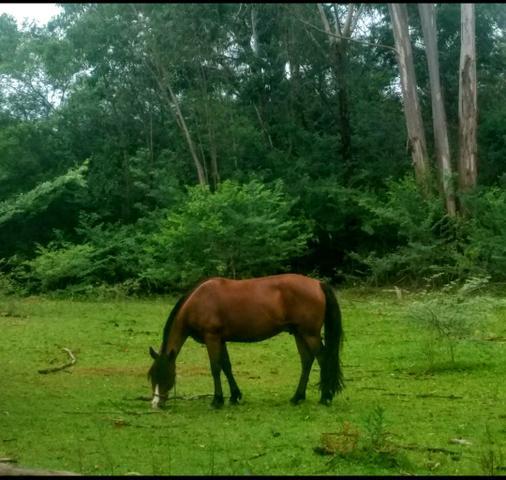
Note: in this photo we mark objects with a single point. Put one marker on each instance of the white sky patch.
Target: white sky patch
(40, 13)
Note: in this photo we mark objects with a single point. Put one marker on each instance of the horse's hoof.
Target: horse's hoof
(326, 401)
(296, 400)
(235, 399)
(217, 403)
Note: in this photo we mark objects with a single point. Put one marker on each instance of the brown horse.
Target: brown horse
(220, 310)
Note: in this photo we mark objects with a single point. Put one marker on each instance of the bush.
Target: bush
(237, 231)
(414, 239)
(486, 232)
(59, 265)
(109, 254)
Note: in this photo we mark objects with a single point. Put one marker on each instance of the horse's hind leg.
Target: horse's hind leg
(316, 346)
(235, 393)
(306, 360)
(214, 350)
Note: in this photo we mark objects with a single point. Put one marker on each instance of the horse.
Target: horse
(220, 310)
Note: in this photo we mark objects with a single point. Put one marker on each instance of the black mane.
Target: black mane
(173, 314)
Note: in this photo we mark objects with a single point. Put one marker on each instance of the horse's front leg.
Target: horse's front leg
(214, 350)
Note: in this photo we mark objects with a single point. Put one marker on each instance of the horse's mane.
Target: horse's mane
(174, 312)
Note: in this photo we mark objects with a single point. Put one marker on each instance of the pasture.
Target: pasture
(415, 401)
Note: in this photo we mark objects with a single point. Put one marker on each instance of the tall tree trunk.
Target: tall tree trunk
(468, 108)
(211, 134)
(337, 39)
(416, 134)
(182, 123)
(340, 69)
(160, 75)
(427, 16)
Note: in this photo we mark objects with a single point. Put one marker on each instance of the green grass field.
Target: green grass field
(407, 407)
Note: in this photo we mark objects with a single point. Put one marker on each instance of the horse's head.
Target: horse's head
(162, 375)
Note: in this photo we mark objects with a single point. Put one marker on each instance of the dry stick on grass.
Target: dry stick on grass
(429, 449)
(57, 369)
(144, 398)
(417, 395)
(424, 395)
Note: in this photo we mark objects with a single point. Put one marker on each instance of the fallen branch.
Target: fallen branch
(258, 455)
(144, 398)
(57, 369)
(428, 449)
(422, 395)
(9, 470)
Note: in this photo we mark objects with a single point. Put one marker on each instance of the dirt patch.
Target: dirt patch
(193, 370)
(110, 371)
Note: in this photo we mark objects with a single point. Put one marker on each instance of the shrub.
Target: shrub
(413, 237)
(109, 254)
(238, 230)
(59, 265)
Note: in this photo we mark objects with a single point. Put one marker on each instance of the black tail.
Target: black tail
(331, 381)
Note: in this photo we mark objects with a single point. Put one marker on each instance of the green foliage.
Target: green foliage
(448, 319)
(93, 84)
(415, 241)
(238, 230)
(59, 265)
(110, 255)
(486, 231)
(413, 237)
(38, 199)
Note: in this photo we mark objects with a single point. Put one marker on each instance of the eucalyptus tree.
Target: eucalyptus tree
(442, 147)
(412, 110)
(339, 31)
(468, 112)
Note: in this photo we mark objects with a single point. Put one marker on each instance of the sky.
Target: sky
(39, 12)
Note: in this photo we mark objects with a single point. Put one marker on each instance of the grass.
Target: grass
(399, 413)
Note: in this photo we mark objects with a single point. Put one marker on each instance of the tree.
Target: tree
(414, 123)
(428, 21)
(338, 41)
(468, 109)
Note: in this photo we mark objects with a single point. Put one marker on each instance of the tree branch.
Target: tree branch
(57, 369)
(314, 27)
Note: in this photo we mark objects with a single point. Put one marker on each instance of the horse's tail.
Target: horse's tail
(331, 376)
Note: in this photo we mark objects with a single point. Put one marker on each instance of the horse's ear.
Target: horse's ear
(153, 354)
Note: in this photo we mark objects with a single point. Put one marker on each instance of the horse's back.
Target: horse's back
(255, 309)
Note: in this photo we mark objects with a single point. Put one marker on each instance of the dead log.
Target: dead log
(10, 470)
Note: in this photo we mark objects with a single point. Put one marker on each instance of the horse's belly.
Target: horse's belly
(252, 332)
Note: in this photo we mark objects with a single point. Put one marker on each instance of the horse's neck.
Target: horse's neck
(176, 340)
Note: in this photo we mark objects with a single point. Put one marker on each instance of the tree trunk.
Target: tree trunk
(416, 135)
(160, 75)
(427, 16)
(344, 108)
(468, 109)
(211, 134)
(338, 43)
(182, 123)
